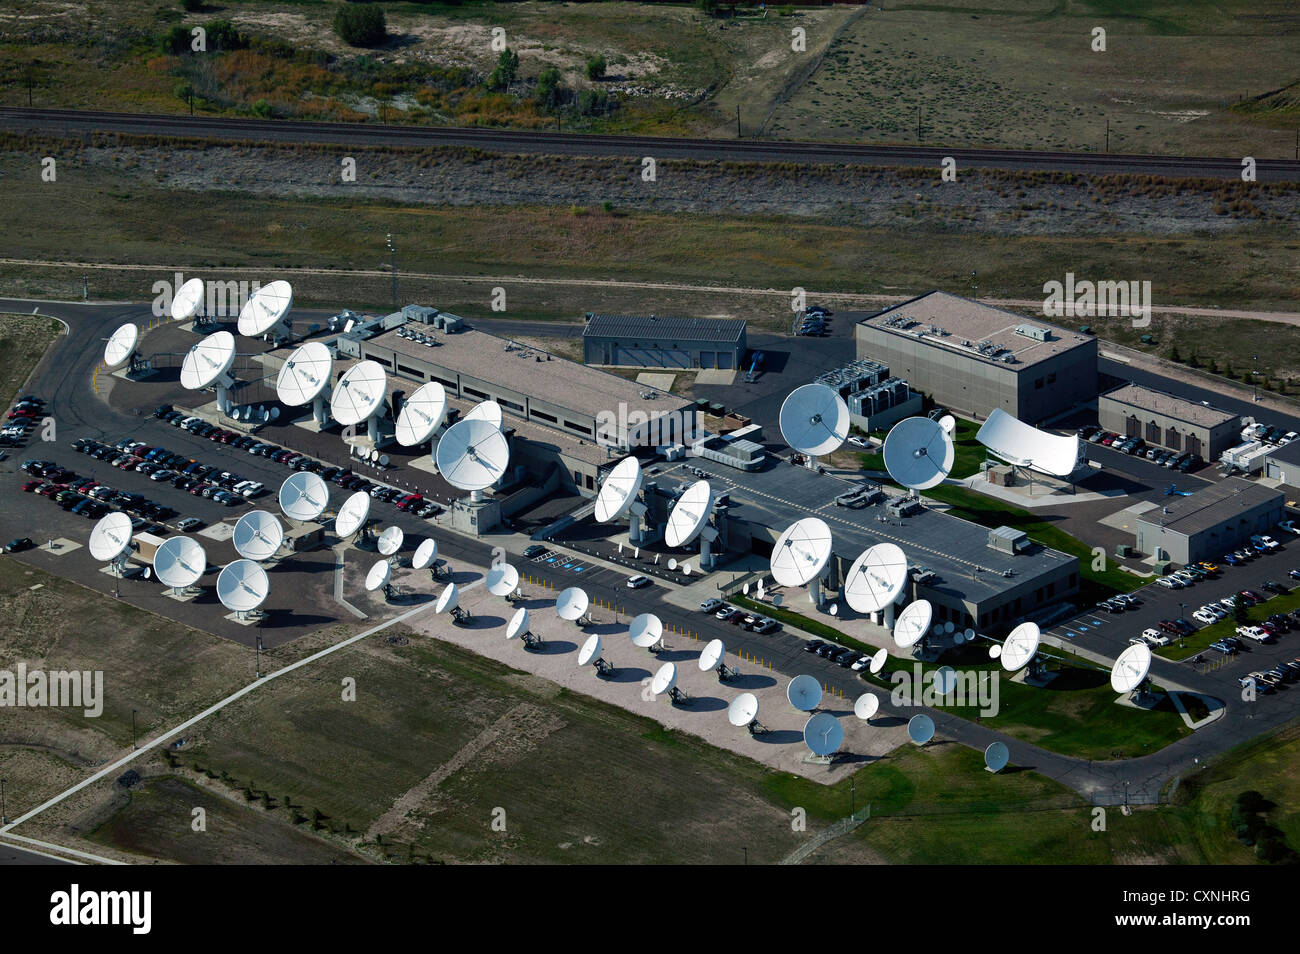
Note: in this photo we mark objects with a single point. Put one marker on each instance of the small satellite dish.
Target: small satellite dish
(258, 535)
(920, 729)
(448, 600)
(572, 603)
(995, 651)
(804, 692)
(712, 655)
(390, 541)
(835, 609)
(378, 575)
(1131, 668)
(359, 394)
(664, 680)
(948, 628)
(689, 514)
(918, 453)
(745, 589)
(1020, 647)
(121, 345)
(472, 455)
(352, 514)
(383, 460)
(823, 734)
(518, 624)
(502, 579)
(242, 586)
(912, 623)
(425, 554)
(188, 300)
(945, 680)
(672, 564)
(743, 709)
(423, 413)
(814, 420)
(801, 552)
(778, 599)
(878, 660)
(645, 630)
(111, 536)
(179, 562)
(304, 376)
(876, 578)
(303, 496)
(996, 756)
(208, 362)
(489, 411)
(618, 490)
(265, 309)
(948, 423)
(686, 569)
(590, 651)
(866, 706)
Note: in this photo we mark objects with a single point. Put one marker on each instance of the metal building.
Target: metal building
(651, 341)
(1209, 523)
(1167, 421)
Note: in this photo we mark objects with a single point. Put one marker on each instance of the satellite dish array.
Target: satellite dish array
(208, 363)
(918, 453)
(814, 421)
(304, 377)
(265, 313)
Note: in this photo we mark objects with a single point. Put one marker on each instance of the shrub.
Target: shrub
(175, 41)
(549, 91)
(506, 70)
(360, 26)
(596, 67)
(191, 6)
(708, 7)
(223, 35)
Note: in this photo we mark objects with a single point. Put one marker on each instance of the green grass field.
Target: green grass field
(24, 339)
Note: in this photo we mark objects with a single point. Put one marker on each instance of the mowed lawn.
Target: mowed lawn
(24, 339)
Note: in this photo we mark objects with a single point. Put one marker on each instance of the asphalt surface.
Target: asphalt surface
(64, 379)
(63, 121)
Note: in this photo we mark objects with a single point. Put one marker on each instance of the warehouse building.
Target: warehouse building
(651, 341)
(1209, 523)
(1282, 464)
(1167, 421)
(973, 357)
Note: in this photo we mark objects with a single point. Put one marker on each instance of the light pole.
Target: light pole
(1254, 376)
(133, 736)
(1182, 614)
(392, 257)
(4, 820)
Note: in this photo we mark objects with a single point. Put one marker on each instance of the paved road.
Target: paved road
(62, 121)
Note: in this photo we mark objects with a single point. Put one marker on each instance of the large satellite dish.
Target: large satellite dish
(1020, 647)
(618, 490)
(804, 692)
(305, 375)
(303, 496)
(258, 535)
(472, 455)
(390, 541)
(743, 709)
(489, 411)
(689, 514)
(1131, 668)
(645, 630)
(876, 578)
(265, 309)
(866, 706)
(878, 660)
(1021, 444)
(111, 536)
(712, 655)
(448, 600)
(912, 623)
(179, 562)
(378, 575)
(188, 300)
(242, 586)
(209, 361)
(121, 345)
(814, 420)
(918, 453)
(920, 729)
(996, 756)
(359, 394)
(823, 734)
(801, 552)
(572, 603)
(424, 555)
(352, 514)
(518, 624)
(590, 651)
(664, 680)
(502, 579)
(422, 414)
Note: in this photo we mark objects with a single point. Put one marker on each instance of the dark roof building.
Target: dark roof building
(652, 341)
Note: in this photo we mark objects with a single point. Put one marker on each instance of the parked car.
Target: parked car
(638, 581)
(19, 544)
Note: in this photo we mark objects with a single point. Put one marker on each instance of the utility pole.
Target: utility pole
(392, 254)
(918, 124)
(133, 736)
(1254, 377)
(738, 135)
(1107, 149)
(4, 820)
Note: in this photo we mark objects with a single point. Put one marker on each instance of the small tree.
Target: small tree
(549, 90)
(1239, 611)
(506, 70)
(191, 6)
(360, 26)
(707, 7)
(175, 41)
(596, 67)
(1174, 355)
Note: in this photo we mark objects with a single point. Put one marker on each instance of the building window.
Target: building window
(1051, 378)
(1132, 426)
(1038, 384)
(1173, 440)
(517, 408)
(1153, 432)
(475, 394)
(1193, 444)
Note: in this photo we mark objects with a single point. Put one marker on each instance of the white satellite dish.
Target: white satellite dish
(878, 660)
(945, 680)
(390, 541)
(823, 734)
(359, 394)
(995, 651)
(242, 586)
(423, 413)
(121, 345)
(208, 362)
(502, 579)
(305, 375)
(303, 496)
(804, 692)
(712, 655)
(425, 554)
(866, 706)
(948, 423)
(912, 623)
(489, 411)
(801, 552)
(672, 564)
(188, 300)
(1018, 443)
(689, 514)
(920, 729)
(265, 309)
(743, 709)
(179, 562)
(472, 455)
(518, 624)
(996, 756)
(590, 651)
(258, 535)
(918, 453)
(664, 680)
(686, 569)
(876, 578)
(1020, 647)
(1131, 668)
(814, 420)
(645, 630)
(618, 490)
(448, 600)
(572, 603)
(378, 575)
(111, 536)
(352, 514)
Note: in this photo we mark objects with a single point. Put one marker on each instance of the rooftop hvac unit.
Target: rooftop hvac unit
(1034, 331)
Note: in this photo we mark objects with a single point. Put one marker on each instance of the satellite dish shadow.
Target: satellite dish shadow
(779, 736)
(460, 577)
(630, 674)
(676, 655)
(289, 620)
(556, 647)
(886, 722)
(857, 758)
(708, 703)
(485, 622)
(751, 680)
